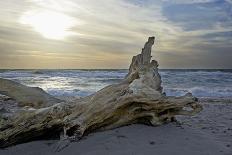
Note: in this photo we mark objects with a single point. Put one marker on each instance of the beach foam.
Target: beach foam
(202, 83)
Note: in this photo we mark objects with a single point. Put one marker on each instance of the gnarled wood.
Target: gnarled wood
(137, 99)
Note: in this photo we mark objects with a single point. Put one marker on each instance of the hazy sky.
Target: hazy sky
(107, 33)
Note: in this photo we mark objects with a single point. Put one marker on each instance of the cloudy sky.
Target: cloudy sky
(107, 33)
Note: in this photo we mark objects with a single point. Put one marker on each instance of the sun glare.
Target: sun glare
(51, 25)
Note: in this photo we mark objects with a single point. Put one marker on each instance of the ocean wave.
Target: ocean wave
(201, 83)
(200, 91)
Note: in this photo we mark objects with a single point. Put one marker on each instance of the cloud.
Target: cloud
(112, 31)
(188, 1)
(200, 16)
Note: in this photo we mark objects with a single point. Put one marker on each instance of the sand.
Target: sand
(208, 133)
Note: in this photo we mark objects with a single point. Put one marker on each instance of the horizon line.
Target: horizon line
(111, 68)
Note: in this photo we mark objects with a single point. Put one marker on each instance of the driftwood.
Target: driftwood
(137, 99)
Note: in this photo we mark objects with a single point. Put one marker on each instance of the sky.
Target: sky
(77, 34)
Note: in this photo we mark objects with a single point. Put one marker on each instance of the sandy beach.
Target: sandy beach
(115, 77)
(208, 133)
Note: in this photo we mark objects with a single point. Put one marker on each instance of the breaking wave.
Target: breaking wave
(202, 83)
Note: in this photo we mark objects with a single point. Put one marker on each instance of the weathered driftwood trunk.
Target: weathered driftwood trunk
(137, 99)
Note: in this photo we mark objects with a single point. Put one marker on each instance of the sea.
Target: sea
(201, 83)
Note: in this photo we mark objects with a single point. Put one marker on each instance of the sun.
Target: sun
(51, 25)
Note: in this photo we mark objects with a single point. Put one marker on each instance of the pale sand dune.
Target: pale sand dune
(208, 133)
(26, 96)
